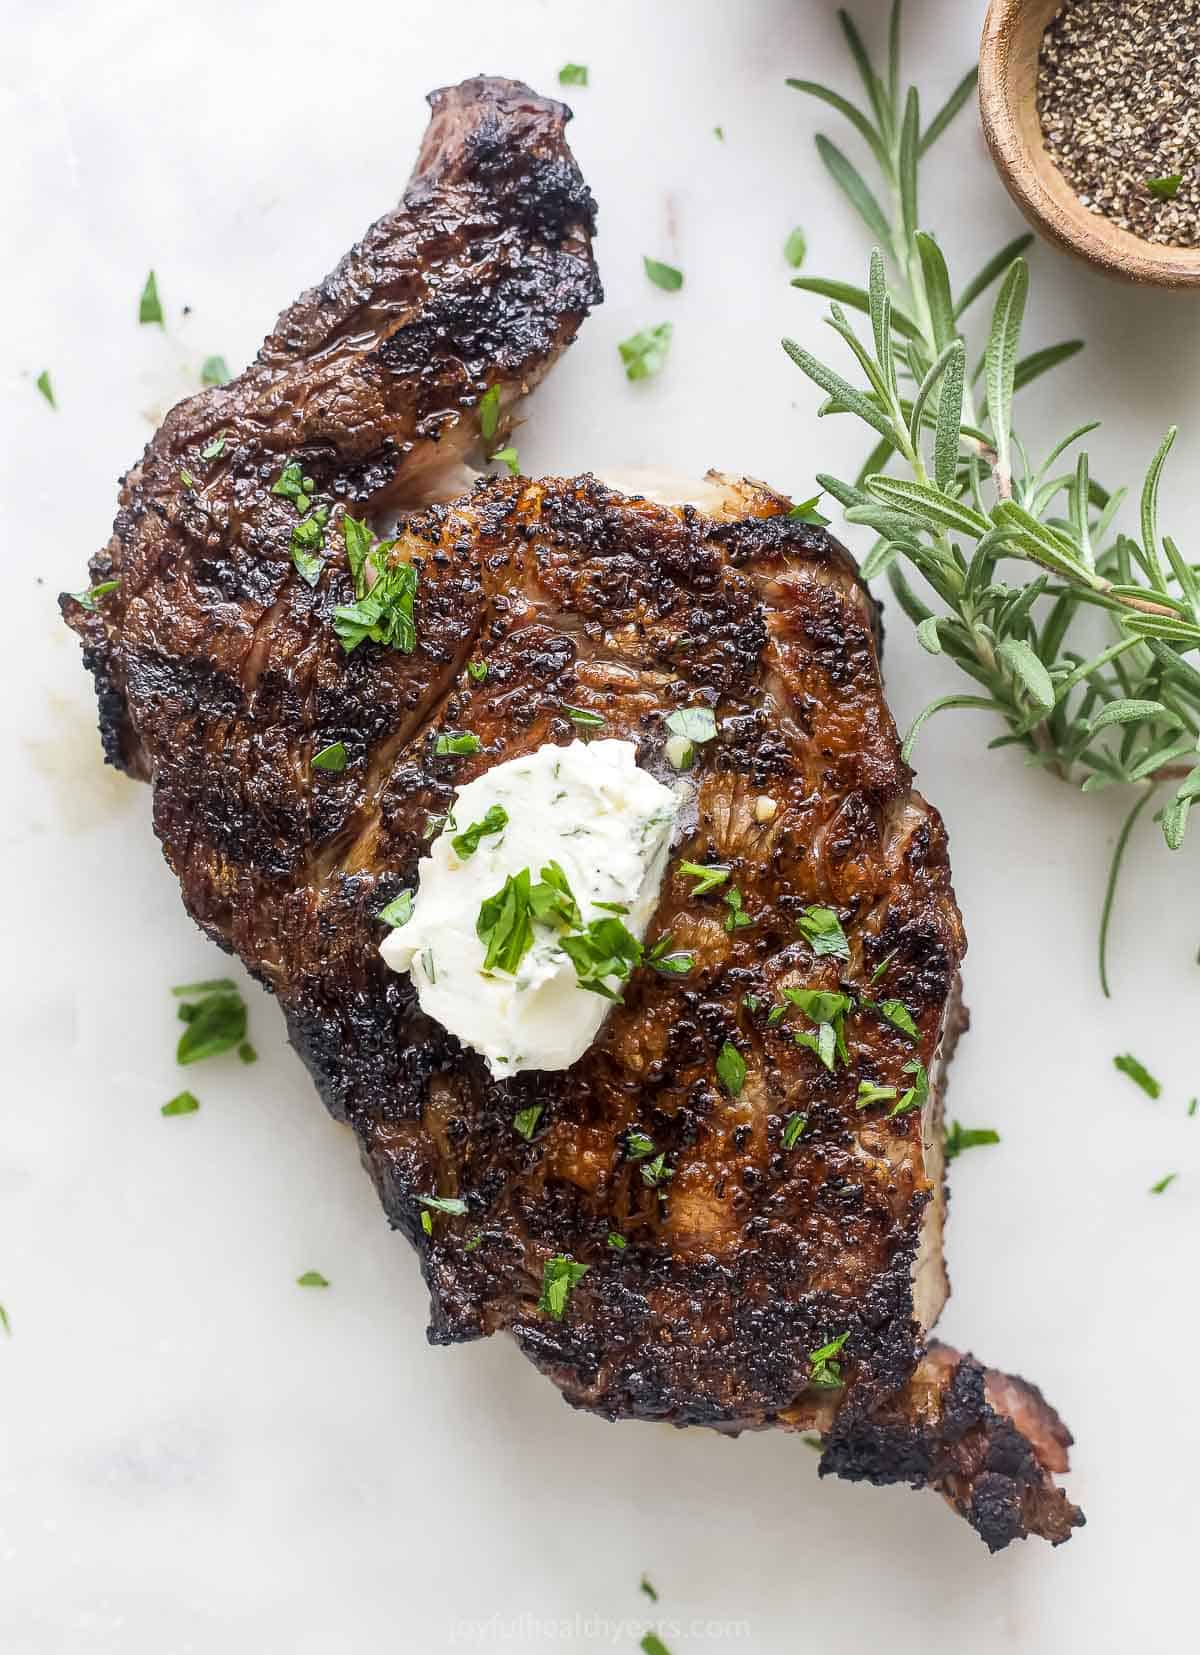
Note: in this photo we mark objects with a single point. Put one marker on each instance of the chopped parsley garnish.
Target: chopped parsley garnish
(382, 612)
(292, 485)
(663, 275)
(466, 843)
(477, 671)
(694, 723)
(604, 949)
(307, 543)
(333, 758)
(489, 413)
(525, 1121)
(560, 1276)
(899, 1016)
(795, 247)
(645, 353)
(464, 741)
(1138, 1074)
(215, 1018)
(668, 964)
(183, 1103)
(806, 512)
(880, 970)
(44, 386)
(793, 1130)
(1165, 188)
(655, 1173)
(573, 74)
(918, 1093)
(1193, 1106)
(823, 932)
(581, 718)
(398, 911)
(719, 134)
(444, 1204)
(186, 478)
(551, 899)
(427, 1223)
(149, 308)
(312, 1278)
(509, 458)
(731, 1069)
(869, 1094)
(707, 876)
(505, 924)
(87, 600)
(613, 907)
(737, 917)
(214, 449)
(247, 1052)
(823, 1371)
(1163, 1183)
(751, 1002)
(960, 1137)
(4, 1322)
(645, 1586)
(215, 371)
(652, 1644)
(828, 1011)
(617, 1241)
(473, 1242)
(638, 1146)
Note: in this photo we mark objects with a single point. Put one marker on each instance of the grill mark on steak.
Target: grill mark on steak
(219, 676)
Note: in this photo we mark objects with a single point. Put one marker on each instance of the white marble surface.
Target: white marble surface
(197, 1456)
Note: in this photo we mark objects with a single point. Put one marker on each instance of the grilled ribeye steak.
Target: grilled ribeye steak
(782, 1216)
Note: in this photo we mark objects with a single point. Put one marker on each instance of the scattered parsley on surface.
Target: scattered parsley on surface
(822, 930)
(183, 1103)
(795, 247)
(960, 1137)
(44, 386)
(823, 1371)
(525, 1121)
(333, 758)
(312, 1278)
(560, 1275)
(662, 275)
(215, 371)
(398, 911)
(573, 74)
(489, 413)
(149, 307)
(457, 744)
(731, 1069)
(644, 354)
(215, 1015)
(708, 875)
(1138, 1074)
(507, 457)
(1163, 1183)
(793, 1130)
(1165, 188)
(467, 842)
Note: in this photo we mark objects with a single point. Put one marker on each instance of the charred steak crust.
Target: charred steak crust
(219, 676)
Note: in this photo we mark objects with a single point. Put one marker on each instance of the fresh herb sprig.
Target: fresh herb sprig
(967, 497)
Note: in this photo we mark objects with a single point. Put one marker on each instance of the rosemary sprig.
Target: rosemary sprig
(967, 497)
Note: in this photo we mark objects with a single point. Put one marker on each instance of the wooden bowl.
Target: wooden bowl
(1008, 65)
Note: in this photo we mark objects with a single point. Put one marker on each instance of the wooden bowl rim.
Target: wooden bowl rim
(1007, 101)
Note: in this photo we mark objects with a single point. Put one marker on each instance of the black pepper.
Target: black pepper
(1119, 101)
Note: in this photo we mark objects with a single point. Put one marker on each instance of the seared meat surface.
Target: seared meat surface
(785, 1214)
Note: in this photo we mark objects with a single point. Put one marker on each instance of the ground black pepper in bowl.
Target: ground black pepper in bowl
(1119, 101)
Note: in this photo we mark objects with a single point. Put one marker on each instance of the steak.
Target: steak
(781, 1264)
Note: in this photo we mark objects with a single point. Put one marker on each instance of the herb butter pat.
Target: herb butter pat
(583, 820)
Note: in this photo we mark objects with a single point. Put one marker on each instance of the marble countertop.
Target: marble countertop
(195, 1455)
